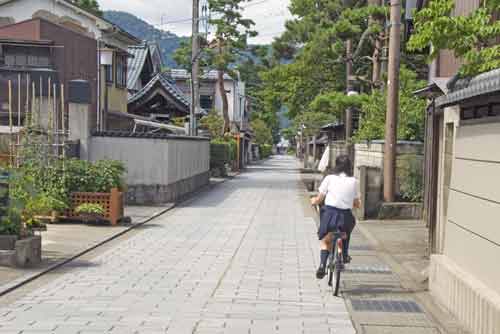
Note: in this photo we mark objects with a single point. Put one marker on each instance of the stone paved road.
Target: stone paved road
(237, 259)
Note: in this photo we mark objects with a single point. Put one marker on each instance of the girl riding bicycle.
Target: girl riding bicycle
(340, 193)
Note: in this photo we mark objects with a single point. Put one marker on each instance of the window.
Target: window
(121, 71)
(108, 69)
(206, 102)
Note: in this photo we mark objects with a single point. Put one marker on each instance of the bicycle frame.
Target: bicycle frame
(336, 261)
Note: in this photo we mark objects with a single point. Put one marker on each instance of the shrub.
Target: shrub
(411, 180)
(90, 209)
(266, 151)
(222, 152)
(101, 176)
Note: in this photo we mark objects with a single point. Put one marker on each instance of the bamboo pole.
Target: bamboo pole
(40, 99)
(18, 137)
(55, 121)
(49, 117)
(63, 125)
(33, 105)
(11, 152)
(27, 116)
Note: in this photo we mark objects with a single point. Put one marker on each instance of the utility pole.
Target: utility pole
(195, 87)
(391, 121)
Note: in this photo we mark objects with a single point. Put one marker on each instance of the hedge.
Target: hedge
(222, 152)
(266, 151)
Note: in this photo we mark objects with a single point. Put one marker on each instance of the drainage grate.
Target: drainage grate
(368, 269)
(393, 306)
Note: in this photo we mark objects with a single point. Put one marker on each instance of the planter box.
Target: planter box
(25, 253)
(112, 203)
(401, 211)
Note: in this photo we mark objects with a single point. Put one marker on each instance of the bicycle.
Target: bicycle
(336, 258)
(336, 261)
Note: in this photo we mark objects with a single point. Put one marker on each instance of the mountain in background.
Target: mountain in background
(167, 41)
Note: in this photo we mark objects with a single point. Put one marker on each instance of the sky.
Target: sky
(174, 15)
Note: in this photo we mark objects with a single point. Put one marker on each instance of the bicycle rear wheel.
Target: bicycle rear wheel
(337, 281)
(331, 269)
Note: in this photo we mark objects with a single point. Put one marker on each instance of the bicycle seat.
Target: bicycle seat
(341, 235)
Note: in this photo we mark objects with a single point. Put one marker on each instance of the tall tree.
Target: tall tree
(473, 38)
(90, 5)
(231, 34)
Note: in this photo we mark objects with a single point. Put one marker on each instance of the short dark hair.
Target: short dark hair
(343, 165)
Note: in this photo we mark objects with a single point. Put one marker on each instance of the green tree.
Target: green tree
(411, 120)
(90, 5)
(214, 124)
(471, 38)
(262, 132)
(231, 34)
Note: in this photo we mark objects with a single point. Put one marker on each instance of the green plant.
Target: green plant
(102, 176)
(411, 180)
(10, 224)
(266, 151)
(90, 209)
(213, 123)
(471, 37)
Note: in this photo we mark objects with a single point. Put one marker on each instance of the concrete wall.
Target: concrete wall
(372, 155)
(158, 170)
(464, 277)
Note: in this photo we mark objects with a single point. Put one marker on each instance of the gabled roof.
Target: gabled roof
(162, 79)
(115, 28)
(136, 63)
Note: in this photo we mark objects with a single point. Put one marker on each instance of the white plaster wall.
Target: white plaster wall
(231, 99)
(154, 161)
(22, 10)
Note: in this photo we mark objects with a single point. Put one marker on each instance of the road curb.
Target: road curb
(10, 287)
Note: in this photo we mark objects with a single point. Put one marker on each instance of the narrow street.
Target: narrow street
(237, 259)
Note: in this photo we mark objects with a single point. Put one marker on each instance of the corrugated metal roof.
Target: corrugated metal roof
(165, 81)
(463, 89)
(136, 63)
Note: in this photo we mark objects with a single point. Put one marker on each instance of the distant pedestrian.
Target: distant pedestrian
(340, 194)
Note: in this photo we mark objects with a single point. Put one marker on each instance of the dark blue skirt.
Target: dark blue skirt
(333, 220)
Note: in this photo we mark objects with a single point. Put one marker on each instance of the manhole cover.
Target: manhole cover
(378, 305)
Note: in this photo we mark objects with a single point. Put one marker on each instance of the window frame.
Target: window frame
(121, 71)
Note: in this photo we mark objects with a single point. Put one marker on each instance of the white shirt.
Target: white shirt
(340, 191)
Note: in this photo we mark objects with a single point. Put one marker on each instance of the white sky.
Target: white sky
(269, 15)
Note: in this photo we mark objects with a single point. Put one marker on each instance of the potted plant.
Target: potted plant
(100, 182)
(42, 209)
(90, 212)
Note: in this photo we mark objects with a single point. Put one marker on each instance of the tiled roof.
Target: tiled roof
(463, 89)
(165, 81)
(136, 63)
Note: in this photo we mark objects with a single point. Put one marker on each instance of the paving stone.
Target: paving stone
(238, 259)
